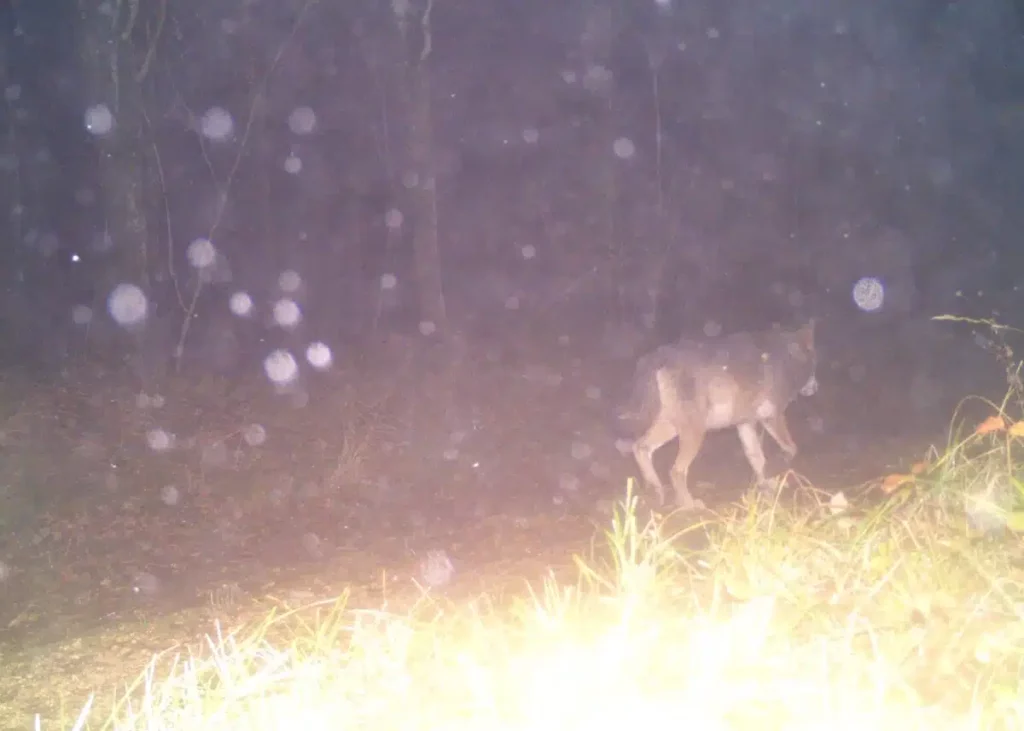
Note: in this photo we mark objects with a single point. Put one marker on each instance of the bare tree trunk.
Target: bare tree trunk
(10, 188)
(113, 77)
(419, 149)
(110, 63)
(424, 199)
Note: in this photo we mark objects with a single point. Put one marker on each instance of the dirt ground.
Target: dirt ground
(132, 519)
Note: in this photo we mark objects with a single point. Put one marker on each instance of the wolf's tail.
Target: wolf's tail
(640, 408)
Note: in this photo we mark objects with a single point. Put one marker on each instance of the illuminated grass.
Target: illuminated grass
(787, 619)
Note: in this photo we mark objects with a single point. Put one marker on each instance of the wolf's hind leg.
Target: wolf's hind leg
(660, 434)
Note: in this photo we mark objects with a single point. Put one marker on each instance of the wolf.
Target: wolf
(691, 387)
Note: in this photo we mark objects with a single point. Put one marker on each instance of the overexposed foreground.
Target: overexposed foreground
(899, 617)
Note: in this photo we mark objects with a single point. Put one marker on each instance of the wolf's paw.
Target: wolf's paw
(690, 506)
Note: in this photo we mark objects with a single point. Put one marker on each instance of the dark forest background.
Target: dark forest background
(257, 191)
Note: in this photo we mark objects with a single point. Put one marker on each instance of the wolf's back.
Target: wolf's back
(770, 364)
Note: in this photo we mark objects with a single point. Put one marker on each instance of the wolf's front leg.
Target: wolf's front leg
(776, 426)
(752, 449)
